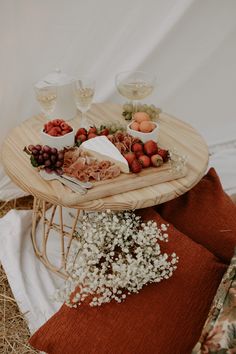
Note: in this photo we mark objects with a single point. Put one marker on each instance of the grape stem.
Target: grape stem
(27, 151)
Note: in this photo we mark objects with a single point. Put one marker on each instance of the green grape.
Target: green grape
(157, 110)
(151, 110)
(131, 108)
(128, 116)
(152, 107)
(128, 107)
(139, 107)
(113, 128)
(145, 107)
(153, 115)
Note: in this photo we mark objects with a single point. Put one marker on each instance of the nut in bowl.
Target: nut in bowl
(57, 133)
(148, 133)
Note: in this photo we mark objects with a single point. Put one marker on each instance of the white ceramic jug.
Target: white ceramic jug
(65, 105)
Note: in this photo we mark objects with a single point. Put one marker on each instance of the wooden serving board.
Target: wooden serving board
(131, 181)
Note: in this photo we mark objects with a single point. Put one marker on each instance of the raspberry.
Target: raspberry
(55, 131)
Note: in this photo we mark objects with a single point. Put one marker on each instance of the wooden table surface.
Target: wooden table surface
(174, 133)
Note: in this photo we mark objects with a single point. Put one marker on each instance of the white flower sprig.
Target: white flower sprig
(177, 161)
(114, 255)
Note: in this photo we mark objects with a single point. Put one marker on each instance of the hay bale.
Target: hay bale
(14, 332)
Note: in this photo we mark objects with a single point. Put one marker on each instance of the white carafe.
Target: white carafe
(65, 104)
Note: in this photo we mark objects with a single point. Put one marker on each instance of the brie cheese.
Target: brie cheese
(102, 149)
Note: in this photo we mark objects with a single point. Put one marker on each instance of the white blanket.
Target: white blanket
(31, 283)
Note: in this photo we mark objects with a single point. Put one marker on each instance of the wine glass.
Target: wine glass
(84, 89)
(135, 85)
(46, 97)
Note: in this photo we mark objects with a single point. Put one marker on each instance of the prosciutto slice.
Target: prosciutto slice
(79, 165)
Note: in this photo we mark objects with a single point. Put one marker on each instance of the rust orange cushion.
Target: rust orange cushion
(206, 214)
(162, 318)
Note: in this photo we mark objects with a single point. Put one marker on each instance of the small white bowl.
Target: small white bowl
(144, 136)
(59, 142)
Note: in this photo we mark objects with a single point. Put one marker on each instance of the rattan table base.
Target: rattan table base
(45, 213)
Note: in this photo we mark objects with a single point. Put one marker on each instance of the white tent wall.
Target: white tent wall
(189, 44)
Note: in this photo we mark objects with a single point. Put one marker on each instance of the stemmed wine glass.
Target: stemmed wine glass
(135, 85)
(46, 97)
(84, 89)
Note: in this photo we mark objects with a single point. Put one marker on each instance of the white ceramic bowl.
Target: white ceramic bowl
(58, 142)
(144, 136)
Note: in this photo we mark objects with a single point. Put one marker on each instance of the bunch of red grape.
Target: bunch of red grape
(49, 158)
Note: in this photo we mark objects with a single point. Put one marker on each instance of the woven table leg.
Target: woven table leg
(40, 240)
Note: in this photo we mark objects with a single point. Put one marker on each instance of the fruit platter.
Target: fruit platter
(103, 160)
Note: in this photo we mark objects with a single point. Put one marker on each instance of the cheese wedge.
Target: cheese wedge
(102, 149)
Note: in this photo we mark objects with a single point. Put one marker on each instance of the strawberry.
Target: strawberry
(150, 147)
(145, 160)
(81, 138)
(92, 135)
(164, 154)
(81, 131)
(156, 160)
(55, 131)
(92, 130)
(138, 154)
(136, 166)
(129, 156)
(137, 147)
(105, 131)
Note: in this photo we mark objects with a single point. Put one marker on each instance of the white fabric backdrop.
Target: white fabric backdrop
(188, 44)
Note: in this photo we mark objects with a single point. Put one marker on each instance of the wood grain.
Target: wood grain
(174, 133)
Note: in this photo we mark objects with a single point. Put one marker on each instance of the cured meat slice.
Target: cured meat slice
(77, 164)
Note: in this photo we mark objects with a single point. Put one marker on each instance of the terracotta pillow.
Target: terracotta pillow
(206, 214)
(163, 318)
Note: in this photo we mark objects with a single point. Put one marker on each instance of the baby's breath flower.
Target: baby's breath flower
(113, 255)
